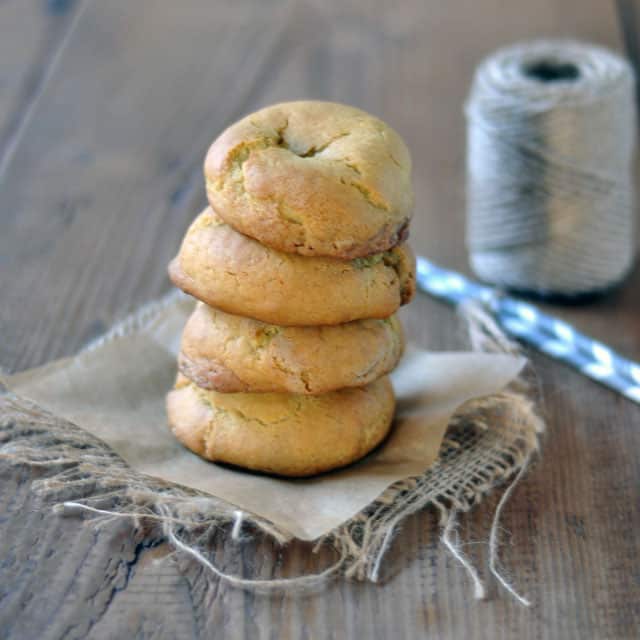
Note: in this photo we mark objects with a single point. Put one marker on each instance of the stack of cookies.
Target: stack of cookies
(299, 266)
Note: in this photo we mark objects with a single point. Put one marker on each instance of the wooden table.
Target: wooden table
(106, 110)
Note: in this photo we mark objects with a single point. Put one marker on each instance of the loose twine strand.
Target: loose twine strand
(551, 136)
(485, 335)
(314, 580)
(479, 588)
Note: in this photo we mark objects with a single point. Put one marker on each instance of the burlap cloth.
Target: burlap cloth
(488, 441)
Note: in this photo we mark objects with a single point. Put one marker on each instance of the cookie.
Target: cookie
(281, 433)
(313, 178)
(230, 353)
(237, 274)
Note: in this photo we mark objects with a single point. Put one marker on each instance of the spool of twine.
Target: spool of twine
(551, 136)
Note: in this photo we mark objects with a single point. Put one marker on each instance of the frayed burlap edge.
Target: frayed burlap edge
(489, 441)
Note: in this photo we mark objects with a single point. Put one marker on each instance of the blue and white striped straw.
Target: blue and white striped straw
(530, 325)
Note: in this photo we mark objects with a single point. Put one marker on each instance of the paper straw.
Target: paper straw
(527, 323)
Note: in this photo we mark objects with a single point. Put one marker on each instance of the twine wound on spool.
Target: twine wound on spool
(551, 135)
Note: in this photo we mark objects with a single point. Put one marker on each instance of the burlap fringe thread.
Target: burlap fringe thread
(489, 441)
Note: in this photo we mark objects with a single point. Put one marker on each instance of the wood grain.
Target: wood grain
(32, 33)
(99, 190)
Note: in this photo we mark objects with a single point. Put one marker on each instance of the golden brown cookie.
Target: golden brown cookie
(237, 274)
(229, 353)
(314, 178)
(281, 433)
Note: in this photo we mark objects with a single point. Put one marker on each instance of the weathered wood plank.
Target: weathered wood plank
(33, 31)
(96, 198)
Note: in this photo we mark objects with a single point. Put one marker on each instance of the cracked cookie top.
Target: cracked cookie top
(313, 178)
(229, 353)
(281, 433)
(239, 275)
